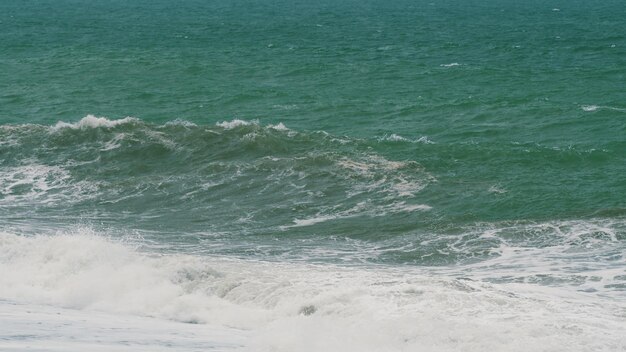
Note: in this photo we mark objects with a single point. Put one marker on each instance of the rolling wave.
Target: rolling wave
(120, 164)
(244, 188)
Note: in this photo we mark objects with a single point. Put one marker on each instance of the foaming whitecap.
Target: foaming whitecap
(235, 123)
(91, 121)
(589, 107)
(229, 125)
(497, 189)
(279, 127)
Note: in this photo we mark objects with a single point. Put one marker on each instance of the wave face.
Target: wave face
(247, 189)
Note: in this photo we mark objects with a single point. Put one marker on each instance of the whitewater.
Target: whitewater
(81, 290)
(312, 176)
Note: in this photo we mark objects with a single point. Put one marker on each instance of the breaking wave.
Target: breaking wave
(290, 307)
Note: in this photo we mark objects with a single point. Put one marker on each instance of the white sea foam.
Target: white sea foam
(289, 307)
(114, 143)
(365, 208)
(36, 178)
(582, 255)
(596, 107)
(161, 138)
(403, 186)
(312, 221)
(228, 125)
(394, 178)
(394, 138)
(181, 122)
(450, 65)
(424, 140)
(279, 127)
(44, 184)
(372, 163)
(497, 189)
(31, 182)
(397, 138)
(91, 121)
(285, 107)
(589, 107)
(30, 327)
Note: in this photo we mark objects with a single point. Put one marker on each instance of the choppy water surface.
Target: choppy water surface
(313, 177)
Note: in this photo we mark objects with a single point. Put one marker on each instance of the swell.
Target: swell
(243, 186)
(232, 186)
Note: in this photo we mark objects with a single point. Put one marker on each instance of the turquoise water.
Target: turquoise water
(483, 140)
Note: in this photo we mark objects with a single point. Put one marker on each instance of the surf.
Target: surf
(285, 306)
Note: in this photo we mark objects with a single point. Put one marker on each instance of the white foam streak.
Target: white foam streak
(590, 108)
(394, 178)
(181, 122)
(312, 221)
(361, 209)
(397, 138)
(114, 143)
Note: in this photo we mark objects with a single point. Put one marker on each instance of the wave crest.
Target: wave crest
(229, 125)
(91, 121)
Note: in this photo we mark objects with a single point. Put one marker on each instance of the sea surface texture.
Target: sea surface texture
(313, 175)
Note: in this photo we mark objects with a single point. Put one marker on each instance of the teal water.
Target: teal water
(444, 165)
(406, 120)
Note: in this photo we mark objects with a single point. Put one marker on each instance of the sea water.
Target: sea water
(312, 176)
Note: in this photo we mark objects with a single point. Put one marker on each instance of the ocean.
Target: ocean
(340, 175)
